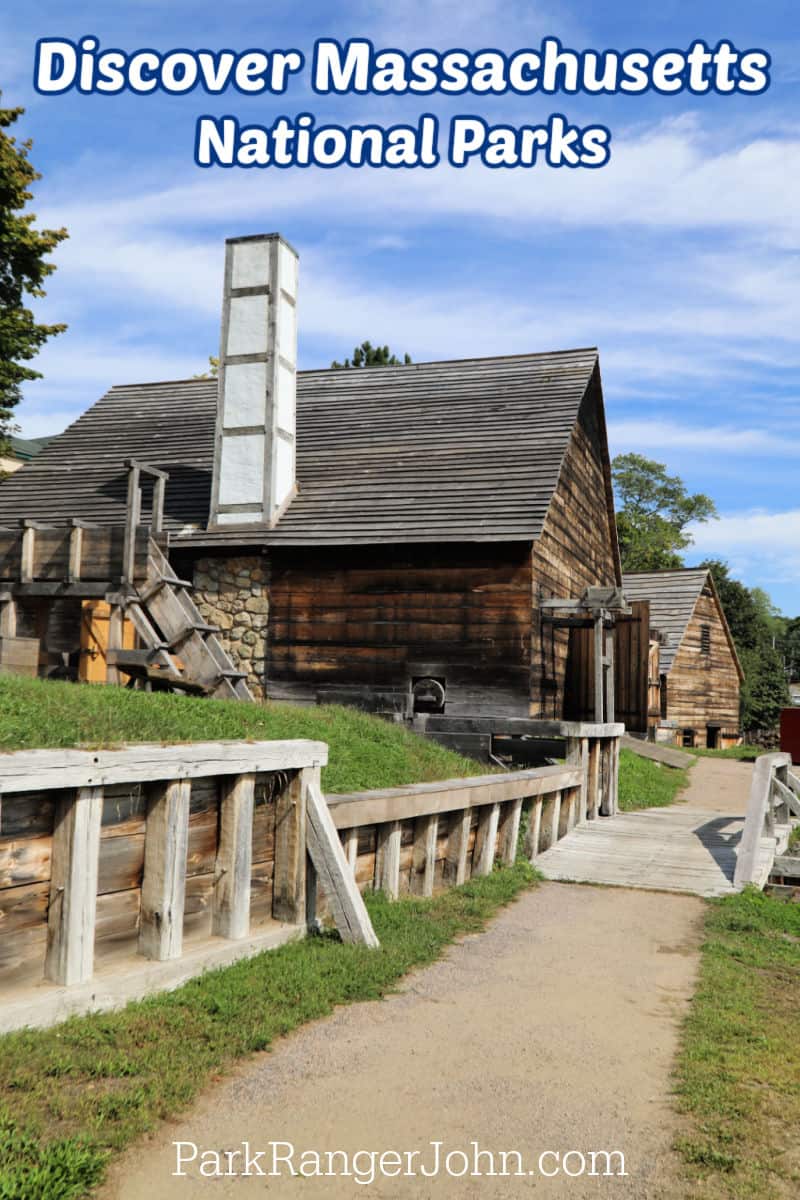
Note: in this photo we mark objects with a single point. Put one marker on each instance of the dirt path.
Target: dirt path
(719, 785)
(553, 1031)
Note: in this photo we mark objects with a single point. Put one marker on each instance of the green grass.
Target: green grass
(365, 751)
(72, 1096)
(644, 783)
(740, 753)
(738, 1078)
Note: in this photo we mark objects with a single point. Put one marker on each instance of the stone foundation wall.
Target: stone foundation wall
(233, 594)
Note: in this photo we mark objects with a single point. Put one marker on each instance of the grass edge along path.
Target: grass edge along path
(644, 783)
(738, 1070)
(73, 1095)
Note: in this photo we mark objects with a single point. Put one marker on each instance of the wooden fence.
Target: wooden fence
(773, 809)
(417, 838)
(126, 871)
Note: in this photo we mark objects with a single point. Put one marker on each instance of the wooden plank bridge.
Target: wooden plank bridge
(687, 849)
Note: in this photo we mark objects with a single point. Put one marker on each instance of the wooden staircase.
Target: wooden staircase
(179, 649)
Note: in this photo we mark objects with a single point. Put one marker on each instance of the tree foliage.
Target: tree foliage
(367, 355)
(23, 268)
(653, 512)
(756, 629)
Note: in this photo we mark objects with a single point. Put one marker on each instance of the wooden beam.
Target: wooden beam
(8, 617)
(421, 799)
(455, 863)
(758, 820)
(132, 514)
(334, 876)
(578, 756)
(350, 844)
(38, 770)
(73, 887)
(231, 914)
(387, 859)
(289, 883)
(116, 618)
(423, 858)
(593, 780)
(164, 880)
(789, 802)
(609, 677)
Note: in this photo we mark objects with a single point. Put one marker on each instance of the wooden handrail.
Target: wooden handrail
(772, 795)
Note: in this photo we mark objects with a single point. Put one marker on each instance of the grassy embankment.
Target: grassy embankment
(647, 784)
(738, 1077)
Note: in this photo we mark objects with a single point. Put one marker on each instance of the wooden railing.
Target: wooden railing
(772, 811)
(428, 835)
(113, 838)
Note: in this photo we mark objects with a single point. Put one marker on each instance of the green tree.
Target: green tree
(790, 647)
(367, 355)
(23, 269)
(653, 512)
(755, 628)
(213, 369)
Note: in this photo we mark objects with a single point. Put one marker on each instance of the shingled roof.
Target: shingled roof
(672, 596)
(446, 451)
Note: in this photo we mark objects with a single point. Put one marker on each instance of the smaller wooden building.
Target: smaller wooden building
(695, 674)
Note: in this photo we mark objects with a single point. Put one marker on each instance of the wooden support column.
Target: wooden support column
(510, 816)
(289, 883)
(387, 859)
(607, 770)
(455, 865)
(132, 515)
(423, 858)
(75, 552)
(164, 881)
(231, 916)
(486, 839)
(73, 887)
(534, 830)
(609, 668)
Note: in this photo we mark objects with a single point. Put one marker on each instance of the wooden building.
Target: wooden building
(695, 693)
(385, 537)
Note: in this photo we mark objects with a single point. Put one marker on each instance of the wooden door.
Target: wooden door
(95, 625)
(631, 662)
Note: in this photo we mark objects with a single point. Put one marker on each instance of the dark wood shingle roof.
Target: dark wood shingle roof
(449, 451)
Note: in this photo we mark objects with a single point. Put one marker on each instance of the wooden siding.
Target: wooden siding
(577, 549)
(704, 688)
(356, 625)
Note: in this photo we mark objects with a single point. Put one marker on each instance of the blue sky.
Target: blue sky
(679, 259)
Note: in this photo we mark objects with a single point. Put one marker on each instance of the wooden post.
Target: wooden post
(115, 640)
(607, 771)
(609, 667)
(289, 884)
(599, 704)
(387, 859)
(593, 783)
(510, 816)
(534, 830)
(157, 516)
(8, 616)
(423, 859)
(578, 756)
(132, 514)
(164, 881)
(555, 818)
(486, 839)
(73, 887)
(351, 848)
(312, 920)
(231, 917)
(455, 864)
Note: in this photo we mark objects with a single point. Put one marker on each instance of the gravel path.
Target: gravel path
(554, 1030)
(719, 785)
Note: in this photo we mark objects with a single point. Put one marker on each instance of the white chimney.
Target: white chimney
(254, 450)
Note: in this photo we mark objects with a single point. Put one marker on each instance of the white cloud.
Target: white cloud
(722, 440)
(761, 548)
